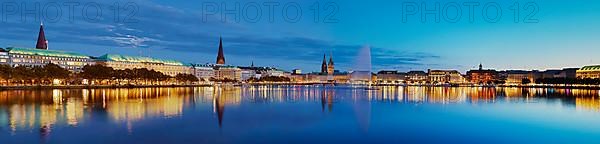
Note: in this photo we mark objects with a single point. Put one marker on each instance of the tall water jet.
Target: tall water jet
(361, 72)
(362, 75)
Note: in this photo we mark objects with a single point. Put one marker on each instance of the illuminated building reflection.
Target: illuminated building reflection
(41, 110)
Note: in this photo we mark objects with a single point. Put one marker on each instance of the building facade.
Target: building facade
(4, 58)
(592, 72)
(39, 57)
(228, 72)
(445, 76)
(390, 77)
(121, 62)
(416, 76)
(204, 72)
(518, 76)
(482, 76)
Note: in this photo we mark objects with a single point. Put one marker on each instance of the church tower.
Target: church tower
(324, 65)
(330, 66)
(221, 56)
(42, 43)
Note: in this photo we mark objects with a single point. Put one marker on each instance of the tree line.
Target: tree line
(33, 74)
(98, 74)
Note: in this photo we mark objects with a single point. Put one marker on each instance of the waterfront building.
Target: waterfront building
(445, 76)
(390, 76)
(248, 74)
(343, 77)
(416, 76)
(39, 57)
(4, 58)
(203, 72)
(221, 55)
(517, 76)
(592, 72)
(228, 72)
(564, 73)
(296, 72)
(121, 62)
(482, 76)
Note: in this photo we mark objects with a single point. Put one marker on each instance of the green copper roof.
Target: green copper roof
(40, 52)
(590, 68)
(123, 58)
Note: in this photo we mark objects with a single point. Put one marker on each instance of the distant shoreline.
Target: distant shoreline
(41, 87)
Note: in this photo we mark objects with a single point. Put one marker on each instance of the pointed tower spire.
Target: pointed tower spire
(480, 66)
(330, 66)
(330, 59)
(42, 43)
(252, 64)
(221, 56)
(324, 65)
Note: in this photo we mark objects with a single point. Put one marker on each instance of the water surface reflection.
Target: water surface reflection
(39, 112)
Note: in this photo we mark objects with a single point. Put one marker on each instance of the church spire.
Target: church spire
(330, 59)
(220, 56)
(42, 43)
(330, 66)
(324, 65)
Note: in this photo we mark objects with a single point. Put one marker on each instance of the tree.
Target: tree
(186, 78)
(22, 73)
(6, 72)
(97, 72)
(53, 71)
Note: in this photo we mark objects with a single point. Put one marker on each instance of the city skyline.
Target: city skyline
(551, 43)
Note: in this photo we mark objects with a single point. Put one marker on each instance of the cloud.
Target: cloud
(163, 27)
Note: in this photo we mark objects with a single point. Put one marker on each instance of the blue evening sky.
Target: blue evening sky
(565, 34)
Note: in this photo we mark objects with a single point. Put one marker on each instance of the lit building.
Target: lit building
(296, 71)
(228, 72)
(120, 62)
(416, 76)
(391, 76)
(4, 58)
(204, 72)
(445, 76)
(592, 72)
(482, 76)
(248, 74)
(40, 57)
(564, 73)
(517, 76)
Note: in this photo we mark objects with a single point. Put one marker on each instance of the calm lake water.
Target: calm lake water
(300, 114)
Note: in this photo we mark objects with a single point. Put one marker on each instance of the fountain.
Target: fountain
(361, 74)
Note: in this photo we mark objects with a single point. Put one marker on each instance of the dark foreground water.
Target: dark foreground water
(300, 114)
